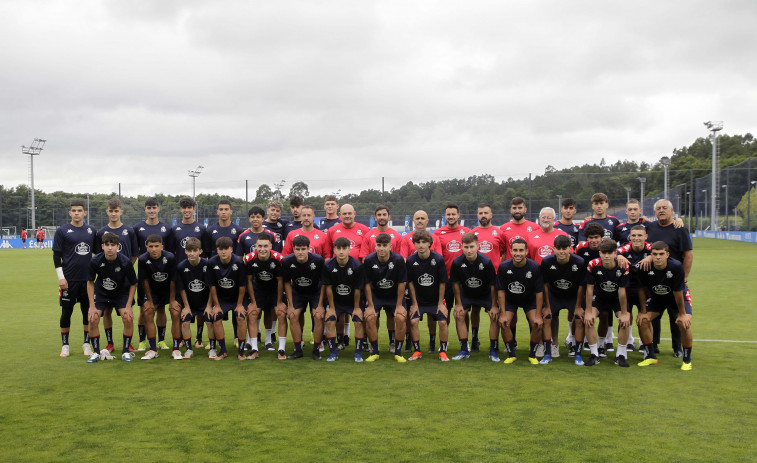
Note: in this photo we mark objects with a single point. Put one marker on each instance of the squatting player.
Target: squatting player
(192, 287)
(227, 280)
(157, 275)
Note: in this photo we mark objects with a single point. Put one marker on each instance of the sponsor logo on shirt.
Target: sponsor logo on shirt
(485, 247)
(109, 284)
(545, 250)
(385, 284)
(303, 281)
(473, 282)
(159, 276)
(265, 276)
(454, 246)
(82, 249)
(516, 288)
(196, 286)
(608, 286)
(226, 283)
(661, 290)
(426, 279)
(343, 290)
(563, 284)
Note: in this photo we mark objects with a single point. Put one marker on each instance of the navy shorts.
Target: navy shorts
(469, 304)
(528, 306)
(116, 301)
(433, 312)
(449, 295)
(266, 301)
(226, 306)
(76, 292)
(671, 306)
(160, 300)
(557, 304)
(303, 301)
(386, 305)
(348, 310)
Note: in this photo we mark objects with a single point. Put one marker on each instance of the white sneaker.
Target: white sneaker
(176, 355)
(105, 355)
(212, 354)
(94, 357)
(320, 347)
(127, 356)
(151, 354)
(87, 348)
(555, 351)
(540, 350)
(65, 351)
(189, 354)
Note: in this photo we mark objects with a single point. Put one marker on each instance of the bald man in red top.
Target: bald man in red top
(420, 221)
(518, 227)
(348, 228)
(319, 242)
(541, 242)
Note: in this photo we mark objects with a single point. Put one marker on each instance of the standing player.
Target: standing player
(23, 236)
(248, 238)
(152, 226)
(331, 205)
(623, 230)
(265, 282)
(301, 272)
(567, 211)
(665, 285)
(343, 278)
(680, 248)
(111, 283)
(606, 285)
(599, 205)
(128, 246)
(227, 280)
(564, 275)
(40, 237)
(319, 242)
(520, 284)
(518, 227)
(274, 223)
(634, 252)
(473, 277)
(386, 277)
(541, 242)
(72, 253)
(190, 228)
(192, 287)
(157, 275)
(224, 226)
(427, 279)
(295, 206)
(350, 229)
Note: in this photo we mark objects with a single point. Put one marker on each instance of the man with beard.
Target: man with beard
(491, 245)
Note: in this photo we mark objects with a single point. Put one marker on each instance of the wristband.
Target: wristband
(59, 272)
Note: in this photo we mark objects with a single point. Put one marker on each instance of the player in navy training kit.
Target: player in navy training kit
(152, 226)
(473, 277)
(386, 277)
(599, 205)
(265, 282)
(634, 252)
(157, 274)
(72, 251)
(111, 283)
(427, 279)
(344, 279)
(295, 206)
(190, 228)
(301, 272)
(520, 284)
(665, 285)
(193, 291)
(567, 211)
(224, 226)
(248, 238)
(564, 276)
(128, 246)
(606, 285)
(331, 205)
(227, 279)
(276, 225)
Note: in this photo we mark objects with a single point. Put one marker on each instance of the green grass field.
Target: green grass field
(57, 409)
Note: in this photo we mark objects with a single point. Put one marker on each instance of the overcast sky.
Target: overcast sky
(339, 94)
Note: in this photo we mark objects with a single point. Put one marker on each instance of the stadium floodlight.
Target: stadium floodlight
(714, 127)
(36, 147)
(726, 207)
(665, 161)
(559, 202)
(194, 174)
(642, 180)
(749, 204)
(628, 193)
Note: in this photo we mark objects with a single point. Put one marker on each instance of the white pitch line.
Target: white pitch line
(716, 340)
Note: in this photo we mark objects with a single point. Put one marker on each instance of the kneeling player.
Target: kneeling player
(606, 285)
(665, 285)
(227, 280)
(386, 277)
(343, 278)
(427, 276)
(520, 284)
(192, 287)
(111, 284)
(472, 275)
(301, 272)
(157, 271)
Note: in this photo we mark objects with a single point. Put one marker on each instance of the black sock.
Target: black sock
(340, 339)
(548, 347)
(463, 344)
(650, 351)
(161, 333)
(494, 344)
(64, 338)
(432, 340)
(579, 347)
(416, 346)
(127, 343)
(95, 341)
(188, 343)
(142, 333)
(153, 344)
(212, 343)
(475, 333)
(374, 347)
(176, 343)
(86, 336)
(687, 354)
(240, 349)
(511, 348)
(532, 349)
(222, 345)
(332, 344)
(358, 344)
(443, 346)
(200, 327)
(391, 337)
(109, 335)
(298, 346)
(398, 348)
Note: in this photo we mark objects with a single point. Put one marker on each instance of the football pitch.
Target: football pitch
(64, 409)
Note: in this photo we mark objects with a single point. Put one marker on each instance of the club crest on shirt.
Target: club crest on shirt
(669, 274)
(433, 261)
(618, 273)
(125, 232)
(528, 274)
(391, 265)
(349, 271)
(163, 229)
(574, 268)
(197, 229)
(312, 266)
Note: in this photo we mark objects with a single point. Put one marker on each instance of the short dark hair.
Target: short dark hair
(517, 201)
(301, 240)
(567, 202)
(383, 238)
(381, 207)
(639, 227)
(256, 210)
(186, 202)
(193, 244)
(562, 242)
(482, 205)
(151, 201)
(519, 240)
(77, 203)
(452, 206)
(330, 198)
(594, 229)
(154, 238)
(470, 238)
(110, 238)
(599, 198)
(224, 242)
(660, 246)
(225, 201)
(114, 203)
(265, 237)
(608, 245)
(422, 235)
(296, 201)
(341, 243)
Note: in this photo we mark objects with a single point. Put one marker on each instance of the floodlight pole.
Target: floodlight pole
(36, 147)
(194, 174)
(665, 161)
(559, 202)
(726, 207)
(705, 208)
(642, 180)
(749, 205)
(714, 127)
(628, 194)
